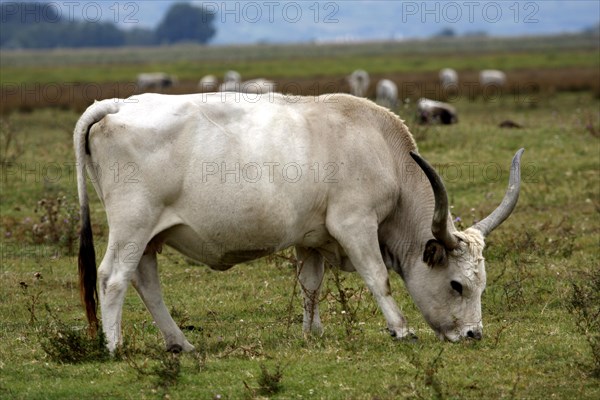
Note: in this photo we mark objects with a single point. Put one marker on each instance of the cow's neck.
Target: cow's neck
(407, 229)
(405, 233)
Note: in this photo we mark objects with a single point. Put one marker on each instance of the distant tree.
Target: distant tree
(96, 34)
(476, 34)
(446, 32)
(18, 19)
(39, 26)
(592, 30)
(39, 36)
(140, 37)
(186, 23)
(27, 13)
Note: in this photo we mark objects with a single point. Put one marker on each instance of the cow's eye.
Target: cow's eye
(456, 286)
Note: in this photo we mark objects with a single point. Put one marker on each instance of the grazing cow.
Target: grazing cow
(492, 77)
(432, 111)
(258, 86)
(253, 86)
(208, 83)
(448, 79)
(155, 81)
(232, 76)
(231, 82)
(359, 82)
(230, 86)
(225, 182)
(387, 94)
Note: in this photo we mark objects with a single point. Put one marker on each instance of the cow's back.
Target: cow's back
(266, 169)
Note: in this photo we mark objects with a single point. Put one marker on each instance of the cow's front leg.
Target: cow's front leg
(357, 234)
(146, 282)
(310, 275)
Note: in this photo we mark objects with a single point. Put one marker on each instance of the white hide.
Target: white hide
(387, 93)
(208, 83)
(252, 86)
(432, 111)
(448, 79)
(359, 82)
(155, 80)
(494, 77)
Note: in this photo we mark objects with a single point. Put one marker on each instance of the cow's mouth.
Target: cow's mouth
(447, 334)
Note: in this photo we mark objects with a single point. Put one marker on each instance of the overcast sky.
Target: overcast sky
(300, 21)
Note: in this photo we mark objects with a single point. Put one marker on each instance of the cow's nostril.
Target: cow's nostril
(474, 335)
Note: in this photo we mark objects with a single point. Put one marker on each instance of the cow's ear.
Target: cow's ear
(435, 254)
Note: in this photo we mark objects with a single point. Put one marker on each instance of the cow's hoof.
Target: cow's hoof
(407, 336)
(410, 338)
(314, 331)
(188, 347)
(175, 349)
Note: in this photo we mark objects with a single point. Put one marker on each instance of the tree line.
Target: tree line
(31, 25)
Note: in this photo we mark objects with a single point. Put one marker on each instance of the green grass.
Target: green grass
(190, 63)
(242, 317)
(298, 68)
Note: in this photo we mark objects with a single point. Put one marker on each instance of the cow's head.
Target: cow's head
(448, 284)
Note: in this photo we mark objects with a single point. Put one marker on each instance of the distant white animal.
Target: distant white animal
(208, 83)
(228, 181)
(231, 82)
(489, 77)
(254, 86)
(448, 79)
(359, 82)
(230, 86)
(258, 86)
(387, 94)
(232, 76)
(432, 111)
(155, 81)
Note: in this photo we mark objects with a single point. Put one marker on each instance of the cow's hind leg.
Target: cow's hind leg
(310, 276)
(130, 230)
(357, 234)
(146, 282)
(115, 273)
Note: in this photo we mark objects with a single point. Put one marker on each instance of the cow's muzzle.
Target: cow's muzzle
(454, 335)
(474, 334)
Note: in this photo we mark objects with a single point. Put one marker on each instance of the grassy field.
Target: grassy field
(276, 68)
(191, 62)
(73, 79)
(246, 322)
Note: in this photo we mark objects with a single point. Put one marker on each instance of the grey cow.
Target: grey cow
(225, 182)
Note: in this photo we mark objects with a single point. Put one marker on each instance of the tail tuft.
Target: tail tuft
(87, 271)
(87, 254)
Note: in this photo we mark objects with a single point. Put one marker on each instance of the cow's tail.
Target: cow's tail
(87, 255)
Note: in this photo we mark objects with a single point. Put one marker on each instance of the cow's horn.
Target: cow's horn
(503, 211)
(439, 225)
